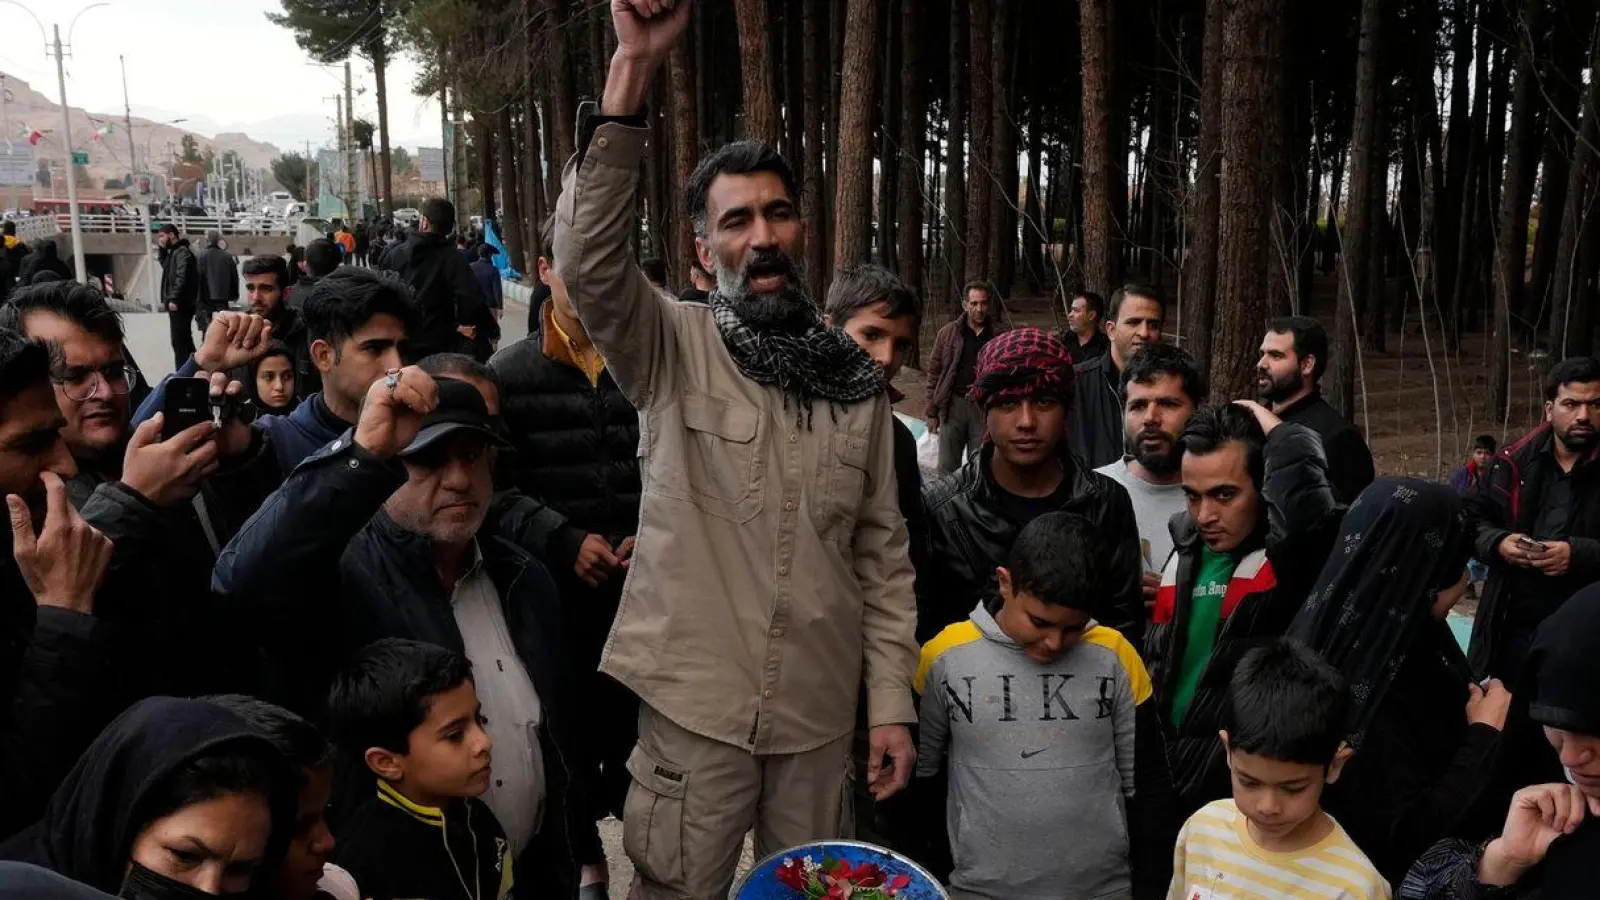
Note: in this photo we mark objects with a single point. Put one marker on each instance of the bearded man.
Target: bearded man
(770, 577)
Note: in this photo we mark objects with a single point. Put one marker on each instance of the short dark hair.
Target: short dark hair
(1145, 291)
(486, 251)
(84, 305)
(440, 213)
(746, 157)
(10, 228)
(1214, 425)
(857, 287)
(339, 304)
(1485, 442)
(547, 238)
(23, 363)
(1573, 369)
(169, 228)
(1310, 339)
(384, 693)
(1093, 302)
(299, 741)
(459, 365)
(267, 265)
(655, 269)
(1056, 558)
(1286, 703)
(1155, 360)
(322, 258)
(978, 284)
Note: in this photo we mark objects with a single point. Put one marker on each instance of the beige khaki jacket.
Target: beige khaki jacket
(771, 568)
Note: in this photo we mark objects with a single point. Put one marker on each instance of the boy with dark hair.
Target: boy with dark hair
(1284, 739)
(409, 711)
(1055, 789)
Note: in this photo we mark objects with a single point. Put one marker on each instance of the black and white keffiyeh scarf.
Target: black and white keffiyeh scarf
(820, 364)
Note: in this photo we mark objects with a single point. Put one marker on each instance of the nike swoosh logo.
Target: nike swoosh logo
(1030, 754)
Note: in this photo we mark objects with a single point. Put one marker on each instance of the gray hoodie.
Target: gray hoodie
(1040, 758)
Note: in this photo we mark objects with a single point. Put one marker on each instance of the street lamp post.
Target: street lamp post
(54, 48)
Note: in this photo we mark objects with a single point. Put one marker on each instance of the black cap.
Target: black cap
(461, 408)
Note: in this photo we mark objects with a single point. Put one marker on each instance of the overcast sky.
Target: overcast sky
(219, 64)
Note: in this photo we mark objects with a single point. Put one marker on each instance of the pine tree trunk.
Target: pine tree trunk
(685, 150)
(1358, 246)
(755, 66)
(1517, 193)
(1569, 300)
(913, 128)
(1452, 207)
(562, 102)
(1561, 82)
(1200, 261)
(815, 209)
(981, 161)
(888, 105)
(483, 126)
(537, 205)
(510, 224)
(1099, 218)
(1002, 230)
(380, 77)
(955, 185)
(1253, 56)
(1033, 211)
(853, 202)
(794, 88)
(1371, 304)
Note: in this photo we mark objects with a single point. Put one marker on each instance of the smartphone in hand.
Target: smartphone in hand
(188, 403)
(1528, 543)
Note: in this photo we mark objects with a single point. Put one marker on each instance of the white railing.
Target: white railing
(119, 223)
(35, 228)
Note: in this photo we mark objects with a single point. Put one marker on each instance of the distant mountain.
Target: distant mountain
(27, 108)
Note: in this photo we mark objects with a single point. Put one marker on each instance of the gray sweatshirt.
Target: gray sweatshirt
(1040, 759)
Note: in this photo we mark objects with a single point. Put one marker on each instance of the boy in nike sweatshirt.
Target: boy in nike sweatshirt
(410, 712)
(1058, 778)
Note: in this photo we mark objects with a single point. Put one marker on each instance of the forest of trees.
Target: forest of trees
(1419, 164)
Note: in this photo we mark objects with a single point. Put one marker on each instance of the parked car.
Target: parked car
(409, 216)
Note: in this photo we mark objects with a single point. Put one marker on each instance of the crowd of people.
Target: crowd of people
(390, 613)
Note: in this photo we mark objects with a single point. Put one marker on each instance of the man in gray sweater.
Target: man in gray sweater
(1058, 783)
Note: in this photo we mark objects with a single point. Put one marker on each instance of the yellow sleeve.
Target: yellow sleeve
(1113, 640)
(948, 639)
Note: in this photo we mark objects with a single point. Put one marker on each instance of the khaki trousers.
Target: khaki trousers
(693, 799)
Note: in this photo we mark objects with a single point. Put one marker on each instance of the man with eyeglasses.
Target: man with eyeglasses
(137, 489)
(1537, 514)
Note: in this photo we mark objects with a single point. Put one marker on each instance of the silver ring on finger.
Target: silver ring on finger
(392, 380)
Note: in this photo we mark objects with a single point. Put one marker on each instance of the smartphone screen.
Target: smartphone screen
(188, 403)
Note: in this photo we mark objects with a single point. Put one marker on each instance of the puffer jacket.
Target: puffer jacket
(1506, 500)
(968, 535)
(1277, 567)
(577, 444)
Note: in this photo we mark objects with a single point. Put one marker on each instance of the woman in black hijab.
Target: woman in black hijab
(176, 798)
(1546, 784)
(1421, 728)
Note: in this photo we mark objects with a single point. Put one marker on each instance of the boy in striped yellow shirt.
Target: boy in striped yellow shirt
(1284, 739)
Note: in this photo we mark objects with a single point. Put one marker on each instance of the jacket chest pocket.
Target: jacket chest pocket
(842, 480)
(714, 461)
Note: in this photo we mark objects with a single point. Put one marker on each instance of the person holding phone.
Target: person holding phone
(1537, 516)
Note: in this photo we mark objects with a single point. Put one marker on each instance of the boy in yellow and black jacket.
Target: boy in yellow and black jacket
(410, 712)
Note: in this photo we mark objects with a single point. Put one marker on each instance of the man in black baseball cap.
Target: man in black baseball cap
(393, 530)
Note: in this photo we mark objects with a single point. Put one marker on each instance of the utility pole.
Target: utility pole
(127, 120)
(310, 197)
(5, 127)
(72, 181)
(338, 126)
(445, 150)
(351, 194)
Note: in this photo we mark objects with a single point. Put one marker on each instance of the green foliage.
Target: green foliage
(290, 171)
(400, 161)
(362, 132)
(190, 151)
(331, 30)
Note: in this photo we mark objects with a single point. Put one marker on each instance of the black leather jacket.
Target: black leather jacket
(968, 535)
(1094, 421)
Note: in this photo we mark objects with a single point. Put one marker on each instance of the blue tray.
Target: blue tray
(779, 876)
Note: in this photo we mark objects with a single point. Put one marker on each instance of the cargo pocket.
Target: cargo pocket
(652, 816)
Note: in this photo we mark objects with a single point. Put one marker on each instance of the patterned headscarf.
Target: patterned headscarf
(1022, 362)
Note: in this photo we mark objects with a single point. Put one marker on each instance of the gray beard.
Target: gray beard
(787, 310)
